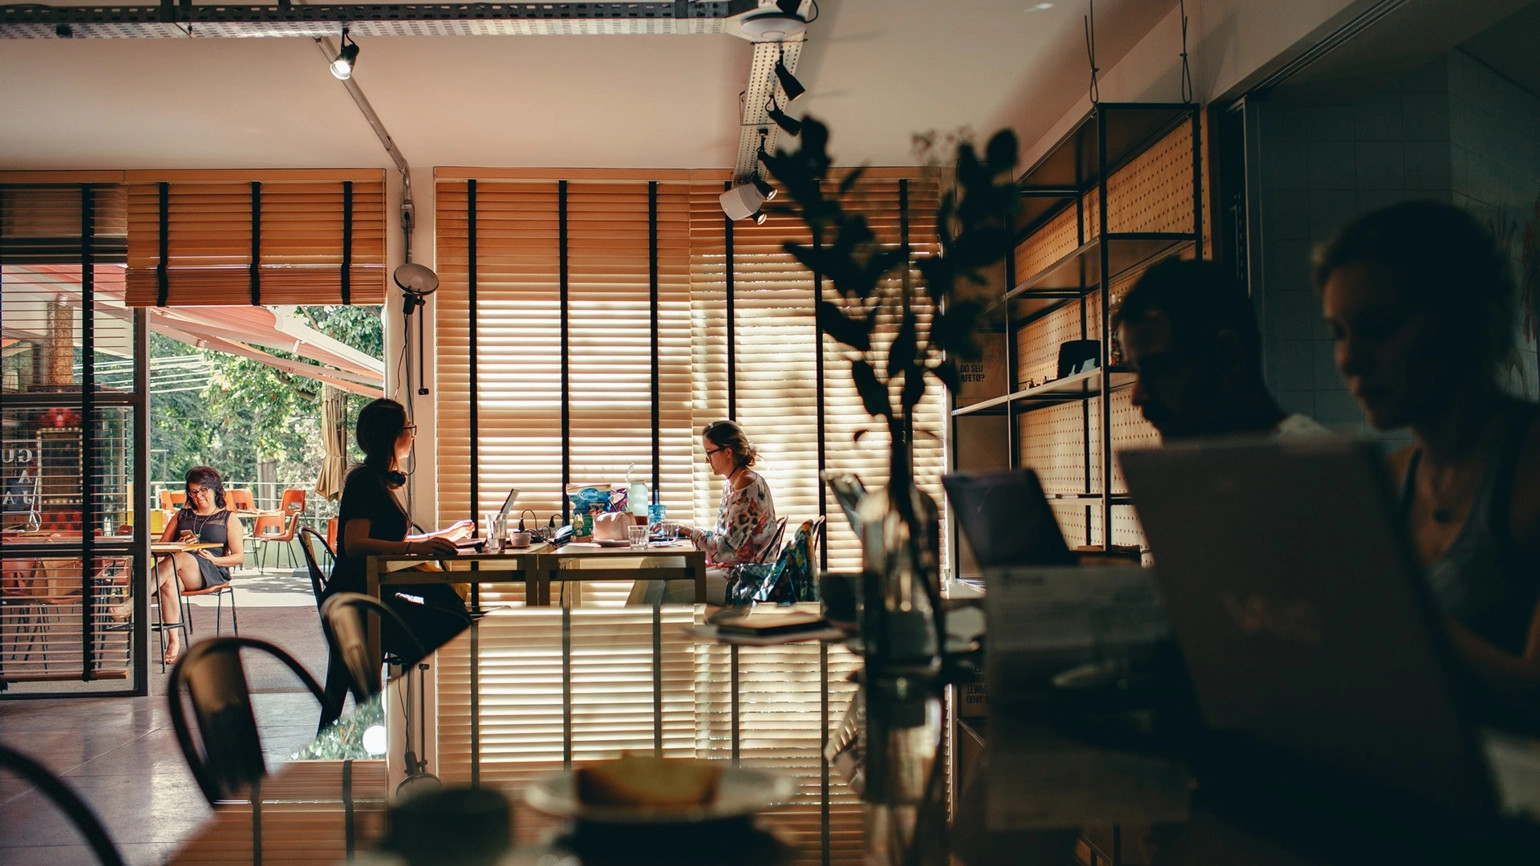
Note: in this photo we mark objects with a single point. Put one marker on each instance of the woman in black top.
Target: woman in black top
(373, 522)
(203, 519)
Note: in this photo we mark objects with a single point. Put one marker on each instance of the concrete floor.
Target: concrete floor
(121, 755)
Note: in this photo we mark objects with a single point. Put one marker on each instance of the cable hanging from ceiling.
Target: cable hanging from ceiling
(1090, 49)
(1187, 92)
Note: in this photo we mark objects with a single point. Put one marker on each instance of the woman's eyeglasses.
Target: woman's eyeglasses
(711, 451)
(410, 428)
(198, 491)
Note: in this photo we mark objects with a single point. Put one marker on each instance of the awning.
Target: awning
(237, 330)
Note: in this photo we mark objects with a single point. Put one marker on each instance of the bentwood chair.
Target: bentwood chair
(309, 541)
(226, 756)
(77, 810)
(773, 549)
(344, 620)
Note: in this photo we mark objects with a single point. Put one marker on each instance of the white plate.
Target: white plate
(613, 542)
(740, 792)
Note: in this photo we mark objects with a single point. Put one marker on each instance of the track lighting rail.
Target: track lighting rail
(179, 20)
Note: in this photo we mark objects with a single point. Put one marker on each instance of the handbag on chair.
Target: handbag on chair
(788, 580)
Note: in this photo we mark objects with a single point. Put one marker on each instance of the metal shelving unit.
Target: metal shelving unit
(1070, 177)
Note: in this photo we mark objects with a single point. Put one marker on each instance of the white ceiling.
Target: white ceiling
(876, 70)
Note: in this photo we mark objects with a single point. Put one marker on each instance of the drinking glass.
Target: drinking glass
(493, 520)
(637, 536)
(670, 529)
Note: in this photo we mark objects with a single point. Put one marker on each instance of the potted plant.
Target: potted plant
(892, 366)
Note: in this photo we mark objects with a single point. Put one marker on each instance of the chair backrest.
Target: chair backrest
(172, 500)
(343, 620)
(227, 759)
(331, 532)
(773, 549)
(268, 525)
(815, 544)
(308, 539)
(293, 501)
(78, 811)
(240, 500)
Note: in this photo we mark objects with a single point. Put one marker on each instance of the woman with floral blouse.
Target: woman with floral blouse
(746, 524)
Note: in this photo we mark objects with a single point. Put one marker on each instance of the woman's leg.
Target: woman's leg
(182, 567)
(683, 591)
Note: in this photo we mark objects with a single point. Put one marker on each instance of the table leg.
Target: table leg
(697, 563)
(372, 587)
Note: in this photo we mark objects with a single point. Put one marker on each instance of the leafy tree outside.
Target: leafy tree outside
(248, 413)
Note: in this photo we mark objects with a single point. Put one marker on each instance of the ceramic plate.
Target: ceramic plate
(740, 792)
(613, 542)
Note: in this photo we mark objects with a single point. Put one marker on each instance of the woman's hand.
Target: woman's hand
(435, 546)
(457, 530)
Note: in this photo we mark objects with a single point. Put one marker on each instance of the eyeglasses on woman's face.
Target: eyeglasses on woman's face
(410, 428)
(199, 491)
(712, 451)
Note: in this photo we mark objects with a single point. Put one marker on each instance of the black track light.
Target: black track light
(347, 58)
(788, 7)
(789, 82)
(786, 122)
(764, 188)
(759, 217)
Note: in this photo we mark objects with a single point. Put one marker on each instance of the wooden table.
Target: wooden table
(537, 567)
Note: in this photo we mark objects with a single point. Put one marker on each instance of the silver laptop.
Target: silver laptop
(1306, 623)
(1007, 518)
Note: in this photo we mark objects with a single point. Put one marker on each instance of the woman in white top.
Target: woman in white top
(745, 527)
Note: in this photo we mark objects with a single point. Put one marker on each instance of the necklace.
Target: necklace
(197, 524)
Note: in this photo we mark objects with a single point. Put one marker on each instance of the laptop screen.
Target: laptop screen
(1007, 519)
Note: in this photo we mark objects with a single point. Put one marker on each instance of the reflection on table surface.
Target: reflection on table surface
(528, 692)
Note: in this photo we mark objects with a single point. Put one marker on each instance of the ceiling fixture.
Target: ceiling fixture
(765, 189)
(786, 122)
(789, 82)
(347, 58)
(744, 201)
(777, 26)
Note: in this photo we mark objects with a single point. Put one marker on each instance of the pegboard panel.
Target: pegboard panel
(1037, 344)
(1072, 522)
(1129, 430)
(1053, 241)
(1053, 445)
(1126, 530)
(1152, 193)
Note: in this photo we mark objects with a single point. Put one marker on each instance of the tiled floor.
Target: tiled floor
(121, 754)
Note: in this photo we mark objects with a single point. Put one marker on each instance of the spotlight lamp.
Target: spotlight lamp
(347, 58)
(790, 125)
(789, 82)
(765, 189)
(760, 217)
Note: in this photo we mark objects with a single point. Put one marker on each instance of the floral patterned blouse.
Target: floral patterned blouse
(746, 524)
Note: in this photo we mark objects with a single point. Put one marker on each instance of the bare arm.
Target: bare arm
(356, 541)
(454, 532)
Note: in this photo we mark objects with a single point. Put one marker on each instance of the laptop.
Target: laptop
(476, 543)
(1007, 519)
(1306, 623)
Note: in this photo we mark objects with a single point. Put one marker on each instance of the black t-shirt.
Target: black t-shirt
(365, 496)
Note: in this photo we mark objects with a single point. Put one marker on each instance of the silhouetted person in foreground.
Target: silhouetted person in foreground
(1191, 338)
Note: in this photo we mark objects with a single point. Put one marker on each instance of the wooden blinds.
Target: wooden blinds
(220, 238)
(593, 325)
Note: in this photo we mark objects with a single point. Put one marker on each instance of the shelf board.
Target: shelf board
(1080, 386)
(1080, 270)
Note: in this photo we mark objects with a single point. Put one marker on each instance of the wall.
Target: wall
(1452, 130)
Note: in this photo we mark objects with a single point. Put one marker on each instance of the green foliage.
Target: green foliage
(973, 232)
(248, 412)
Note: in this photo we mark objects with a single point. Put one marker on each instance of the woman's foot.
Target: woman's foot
(122, 610)
(173, 649)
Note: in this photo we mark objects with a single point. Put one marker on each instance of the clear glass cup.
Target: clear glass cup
(670, 529)
(637, 535)
(494, 536)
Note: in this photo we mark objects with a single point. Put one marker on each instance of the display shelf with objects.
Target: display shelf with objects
(1052, 379)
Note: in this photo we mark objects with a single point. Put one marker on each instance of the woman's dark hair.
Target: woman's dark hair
(727, 434)
(379, 425)
(208, 478)
(1444, 261)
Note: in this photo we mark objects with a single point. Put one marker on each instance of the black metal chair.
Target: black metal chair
(773, 549)
(343, 617)
(308, 540)
(228, 759)
(79, 811)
